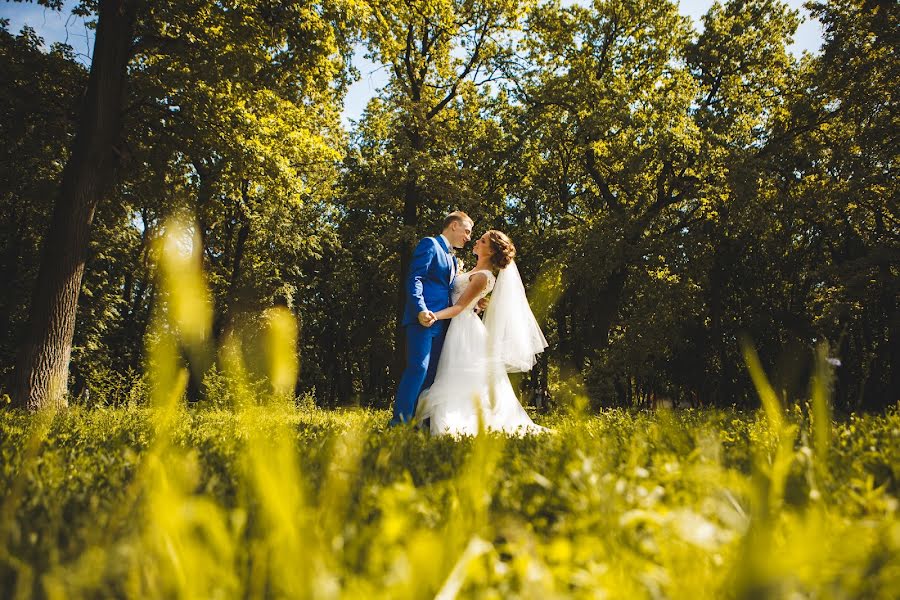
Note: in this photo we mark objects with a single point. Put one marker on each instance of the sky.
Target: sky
(61, 26)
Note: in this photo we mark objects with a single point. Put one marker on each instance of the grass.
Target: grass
(274, 501)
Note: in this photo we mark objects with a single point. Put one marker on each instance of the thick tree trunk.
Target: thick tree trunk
(44, 360)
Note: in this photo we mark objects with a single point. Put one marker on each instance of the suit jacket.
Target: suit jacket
(428, 283)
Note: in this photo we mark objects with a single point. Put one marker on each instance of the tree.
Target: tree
(246, 100)
(240, 99)
(439, 55)
(609, 121)
(42, 374)
(840, 159)
(748, 82)
(39, 105)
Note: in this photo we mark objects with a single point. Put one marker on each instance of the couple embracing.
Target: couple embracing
(457, 365)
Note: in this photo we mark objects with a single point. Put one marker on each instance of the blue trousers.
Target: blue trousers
(423, 350)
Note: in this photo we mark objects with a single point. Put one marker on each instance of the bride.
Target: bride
(471, 383)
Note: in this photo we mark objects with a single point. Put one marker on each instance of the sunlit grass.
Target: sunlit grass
(277, 501)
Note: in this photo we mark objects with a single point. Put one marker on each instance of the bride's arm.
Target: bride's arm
(477, 283)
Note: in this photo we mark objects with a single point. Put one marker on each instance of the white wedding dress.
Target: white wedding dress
(469, 386)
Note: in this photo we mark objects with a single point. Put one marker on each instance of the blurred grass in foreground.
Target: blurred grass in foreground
(276, 502)
(251, 496)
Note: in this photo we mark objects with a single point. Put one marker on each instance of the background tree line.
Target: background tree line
(671, 191)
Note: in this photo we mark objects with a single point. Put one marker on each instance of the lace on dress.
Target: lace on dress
(462, 281)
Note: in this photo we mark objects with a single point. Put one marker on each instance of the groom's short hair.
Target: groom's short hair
(456, 216)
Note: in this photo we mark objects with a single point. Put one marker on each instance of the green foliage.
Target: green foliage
(669, 190)
(236, 120)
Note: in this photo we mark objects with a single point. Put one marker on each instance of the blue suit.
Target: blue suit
(427, 288)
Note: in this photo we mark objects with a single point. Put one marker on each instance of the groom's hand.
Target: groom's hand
(481, 306)
(426, 318)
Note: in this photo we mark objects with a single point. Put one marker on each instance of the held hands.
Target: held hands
(427, 318)
(481, 306)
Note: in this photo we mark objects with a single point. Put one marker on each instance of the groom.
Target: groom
(428, 287)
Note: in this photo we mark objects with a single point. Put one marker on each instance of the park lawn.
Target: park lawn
(286, 501)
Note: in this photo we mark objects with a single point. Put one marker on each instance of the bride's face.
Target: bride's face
(483, 247)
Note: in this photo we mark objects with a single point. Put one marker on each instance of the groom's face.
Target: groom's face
(460, 233)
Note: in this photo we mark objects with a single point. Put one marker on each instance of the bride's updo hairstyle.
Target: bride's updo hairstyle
(504, 250)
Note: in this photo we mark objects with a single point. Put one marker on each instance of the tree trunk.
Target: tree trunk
(717, 386)
(44, 360)
(9, 273)
(411, 199)
(232, 299)
(607, 305)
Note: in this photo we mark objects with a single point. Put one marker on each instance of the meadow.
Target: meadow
(286, 500)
